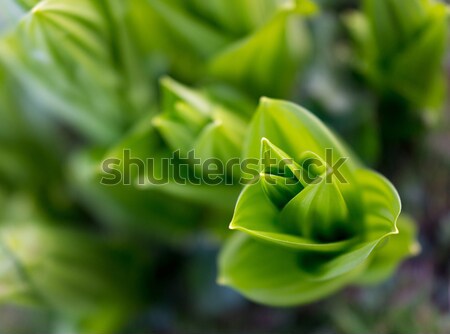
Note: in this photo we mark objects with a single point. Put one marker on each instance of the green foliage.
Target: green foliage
(88, 281)
(191, 121)
(259, 67)
(401, 47)
(268, 37)
(105, 104)
(325, 233)
(103, 79)
(96, 82)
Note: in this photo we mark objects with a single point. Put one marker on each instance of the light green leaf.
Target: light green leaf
(272, 275)
(392, 37)
(239, 17)
(319, 212)
(200, 37)
(389, 254)
(266, 62)
(94, 90)
(256, 215)
(304, 241)
(279, 189)
(425, 54)
(282, 123)
(191, 121)
(393, 22)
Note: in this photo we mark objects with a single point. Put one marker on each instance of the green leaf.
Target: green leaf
(305, 241)
(425, 54)
(96, 91)
(272, 275)
(130, 209)
(256, 215)
(191, 121)
(84, 279)
(238, 17)
(391, 38)
(393, 22)
(25, 136)
(282, 122)
(146, 185)
(267, 61)
(389, 254)
(319, 212)
(279, 189)
(198, 36)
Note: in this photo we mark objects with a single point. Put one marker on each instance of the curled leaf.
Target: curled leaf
(303, 239)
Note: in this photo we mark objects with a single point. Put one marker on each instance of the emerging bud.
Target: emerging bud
(311, 205)
(319, 213)
(192, 121)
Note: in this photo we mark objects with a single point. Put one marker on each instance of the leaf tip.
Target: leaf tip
(165, 80)
(264, 101)
(222, 281)
(232, 225)
(415, 249)
(264, 141)
(156, 121)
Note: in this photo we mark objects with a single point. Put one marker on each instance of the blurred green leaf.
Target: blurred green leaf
(191, 121)
(268, 61)
(95, 83)
(146, 186)
(130, 207)
(85, 279)
(394, 37)
(25, 161)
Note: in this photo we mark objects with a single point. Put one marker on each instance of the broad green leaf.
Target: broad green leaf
(196, 34)
(382, 208)
(272, 275)
(96, 91)
(257, 216)
(266, 62)
(238, 17)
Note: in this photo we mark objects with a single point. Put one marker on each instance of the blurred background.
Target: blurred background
(79, 81)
